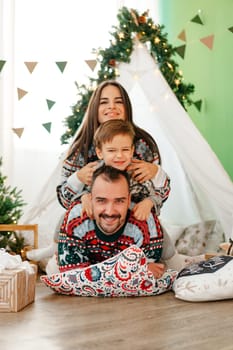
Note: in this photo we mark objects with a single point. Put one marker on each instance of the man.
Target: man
(83, 242)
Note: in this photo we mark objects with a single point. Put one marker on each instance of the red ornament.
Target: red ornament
(112, 62)
(142, 19)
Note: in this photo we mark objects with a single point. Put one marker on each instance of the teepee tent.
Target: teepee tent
(200, 188)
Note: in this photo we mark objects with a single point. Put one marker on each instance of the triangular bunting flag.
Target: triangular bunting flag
(30, 66)
(2, 64)
(182, 35)
(198, 105)
(61, 66)
(208, 41)
(18, 131)
(21, 93)
(181, 50)
(197, 19)
(230, 29)
(47, 126)
(50, 104)
(91, 64)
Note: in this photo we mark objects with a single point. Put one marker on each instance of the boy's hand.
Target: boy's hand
(85, 174)
(86, 205)
(141, 210)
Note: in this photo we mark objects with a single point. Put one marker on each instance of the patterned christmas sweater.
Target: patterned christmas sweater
(69, 187)
(81, 242)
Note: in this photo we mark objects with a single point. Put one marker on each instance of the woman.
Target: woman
(109, 101)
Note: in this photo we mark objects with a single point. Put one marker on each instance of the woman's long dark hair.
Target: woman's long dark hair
(87, 129)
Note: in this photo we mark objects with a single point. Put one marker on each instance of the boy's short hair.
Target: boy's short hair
(109, 129)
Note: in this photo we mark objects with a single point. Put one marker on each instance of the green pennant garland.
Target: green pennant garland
(181, 50)
(1, 65)
(230, 29)
(61, 66)
(50, 104)
(47, 126)
(198, 105)
(197, 19)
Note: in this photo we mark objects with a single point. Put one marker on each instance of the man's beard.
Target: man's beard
(118, 224)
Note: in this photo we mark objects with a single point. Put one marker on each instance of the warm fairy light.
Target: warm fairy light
(121, 35)
(156, 40)
(177, 81)
(170, 65)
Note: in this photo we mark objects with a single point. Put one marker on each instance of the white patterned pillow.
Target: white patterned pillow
(125, 274)
(200, 238)
(211, 279)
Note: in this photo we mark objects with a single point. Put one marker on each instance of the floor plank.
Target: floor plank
(149, 323)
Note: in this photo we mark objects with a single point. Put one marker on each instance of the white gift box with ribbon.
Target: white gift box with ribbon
(17, 282)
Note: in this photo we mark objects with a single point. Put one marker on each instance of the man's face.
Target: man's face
(110, 202)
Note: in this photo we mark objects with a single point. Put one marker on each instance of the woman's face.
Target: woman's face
(111, 104)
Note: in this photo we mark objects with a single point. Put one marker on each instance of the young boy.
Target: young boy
(114, 144)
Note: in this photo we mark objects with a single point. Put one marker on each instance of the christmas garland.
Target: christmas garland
(131, 25)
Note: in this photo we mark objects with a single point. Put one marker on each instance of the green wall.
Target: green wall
(211, 71)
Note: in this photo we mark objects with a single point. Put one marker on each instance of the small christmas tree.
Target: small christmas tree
(11, 204)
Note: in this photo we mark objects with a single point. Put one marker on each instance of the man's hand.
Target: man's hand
(157, 269)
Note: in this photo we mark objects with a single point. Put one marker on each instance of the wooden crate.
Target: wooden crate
(16, 227)
(17, 289)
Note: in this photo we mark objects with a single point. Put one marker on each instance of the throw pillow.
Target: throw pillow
(125, 274)
(211, 279)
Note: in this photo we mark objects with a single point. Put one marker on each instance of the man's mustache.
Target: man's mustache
(105, 216)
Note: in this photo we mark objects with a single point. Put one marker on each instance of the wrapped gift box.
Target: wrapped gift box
(17, 288)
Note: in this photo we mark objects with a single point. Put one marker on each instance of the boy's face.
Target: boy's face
(118, 152)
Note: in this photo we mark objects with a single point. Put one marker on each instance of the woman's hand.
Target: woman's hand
(157, 269)
(86, 205)
(142, 171)
(85, 173)
(142, 210)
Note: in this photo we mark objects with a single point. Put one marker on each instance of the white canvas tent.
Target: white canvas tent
(200, 188)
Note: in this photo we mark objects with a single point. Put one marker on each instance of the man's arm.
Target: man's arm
(71, 242)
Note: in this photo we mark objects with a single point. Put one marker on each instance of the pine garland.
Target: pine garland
(131, 25)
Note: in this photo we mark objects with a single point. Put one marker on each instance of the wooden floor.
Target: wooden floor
(56, 322)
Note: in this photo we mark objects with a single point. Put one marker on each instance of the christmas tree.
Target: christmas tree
(131, 25)
(11, 204)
